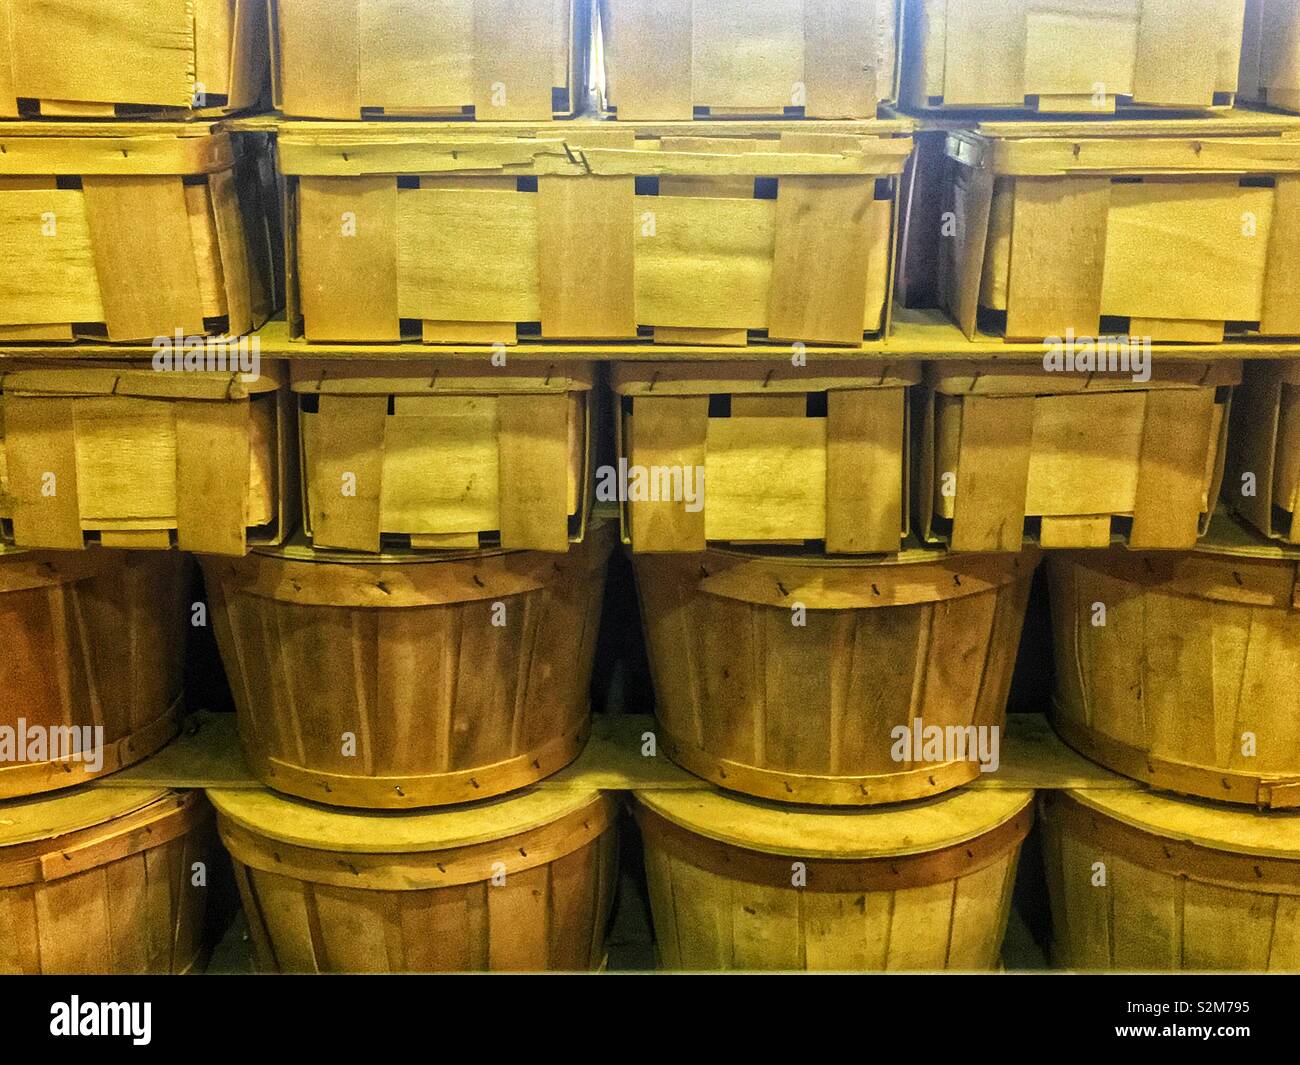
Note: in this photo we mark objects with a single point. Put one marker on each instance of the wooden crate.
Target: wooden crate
(479, 59)
(445, 455)
(128, 456)
(748, 58)
(1172, 229)
(1013, 450)
(589, 231)
(1189, 682)
(99, 880)
(786, 677)
(1188, 884)
(775, 454)
(1270, 54)
(918, 886)
(1262, 482)
(128, 231)
(92, 639)
(520, 885)
(1076, 56)
(91, 59)
(401, 681)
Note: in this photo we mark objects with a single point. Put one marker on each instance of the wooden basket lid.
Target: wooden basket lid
(581, 126)
(50, 816)
(298, 548)
(1233, 564)
(1239, 142)
(438, 377)
(114, 148)
(754, 377)
(309, 825)
(836, 832)
(23, 569)
(84, 381)
(1235, 123)
(332, 148)
(115, 129)
(777, 578)
(1029, 377)
(1232, 829)
(913, 551)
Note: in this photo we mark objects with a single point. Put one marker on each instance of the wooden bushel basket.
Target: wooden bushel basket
(127, 456)
(1188, 884)
(787, 677)
(679, 59)
(92, 639)
(128, 231)
(103, 880)
(409, 680)
(477, 59)
(771, 454)
(522, 884)
(1172, 229)
(94, 59)
(444, 455)
(1262, 482)
(740, 884)
(1075, 56)
(590, 231)
(1189, 679)
(1270, 55)
(1013, 450)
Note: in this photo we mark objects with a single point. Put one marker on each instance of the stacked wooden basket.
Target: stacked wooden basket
(1160, 220)
(127, 214)
(522, 275)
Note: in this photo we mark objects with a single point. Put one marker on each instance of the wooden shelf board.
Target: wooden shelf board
(207, 755)
(398, 126)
